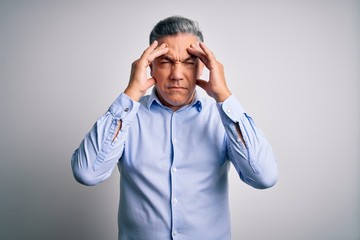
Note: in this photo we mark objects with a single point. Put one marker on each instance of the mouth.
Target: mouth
(176, 88)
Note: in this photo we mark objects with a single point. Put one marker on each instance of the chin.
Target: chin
(176, 103)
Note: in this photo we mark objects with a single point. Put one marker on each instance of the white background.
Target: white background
(294, 65)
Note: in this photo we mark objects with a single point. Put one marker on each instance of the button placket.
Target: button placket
(173, 171)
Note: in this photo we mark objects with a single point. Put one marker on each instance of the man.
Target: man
(173, 148)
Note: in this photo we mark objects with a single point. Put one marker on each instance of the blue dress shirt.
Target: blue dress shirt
(174, 165)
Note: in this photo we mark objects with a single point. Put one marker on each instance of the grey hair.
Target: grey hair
(174, 25)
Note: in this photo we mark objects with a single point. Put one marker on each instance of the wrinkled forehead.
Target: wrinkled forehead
(178, 45)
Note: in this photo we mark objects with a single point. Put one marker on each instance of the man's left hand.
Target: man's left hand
(216, 86)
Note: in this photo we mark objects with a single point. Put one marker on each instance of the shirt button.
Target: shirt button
(175, 200)
(228, 110)
(126, 109)
(174, 233)
(174, 169)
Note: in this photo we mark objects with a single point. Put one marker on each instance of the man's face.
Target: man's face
(175, 72)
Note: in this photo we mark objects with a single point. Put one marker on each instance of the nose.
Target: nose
(176, 72)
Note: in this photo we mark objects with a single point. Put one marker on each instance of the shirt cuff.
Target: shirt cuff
(232, 109)
(124, 108)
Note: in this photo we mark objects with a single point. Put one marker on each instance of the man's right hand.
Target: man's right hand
(139, 83)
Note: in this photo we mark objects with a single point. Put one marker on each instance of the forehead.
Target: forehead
(178, 44)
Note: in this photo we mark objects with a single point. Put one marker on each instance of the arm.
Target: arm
(103, 146)
(248, 149)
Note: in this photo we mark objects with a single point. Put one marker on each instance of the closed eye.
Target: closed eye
(164, 62)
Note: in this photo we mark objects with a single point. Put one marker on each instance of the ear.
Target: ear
(151, 69)
(200, 69)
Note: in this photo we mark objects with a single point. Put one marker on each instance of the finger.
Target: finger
(144, 56)
(197, 52)
(163, 49)
(150, 49)
(163, 45)
(153, 47)
(206, 50)
(194, 49)
(152, 52)
(212, 62)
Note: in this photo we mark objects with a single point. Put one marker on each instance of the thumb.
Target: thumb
(150, 82)
(202, 83)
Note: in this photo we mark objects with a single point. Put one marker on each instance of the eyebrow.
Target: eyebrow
(168, 58)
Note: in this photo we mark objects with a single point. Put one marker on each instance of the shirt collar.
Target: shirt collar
(153, 99)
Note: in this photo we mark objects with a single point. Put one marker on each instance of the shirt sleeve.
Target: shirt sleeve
(99, 152)
(254, 161)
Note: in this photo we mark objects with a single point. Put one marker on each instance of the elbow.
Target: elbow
(267, 174)
(266, 182)
(84, 179)
(261, 180)
(83, 174)
(266, 179)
